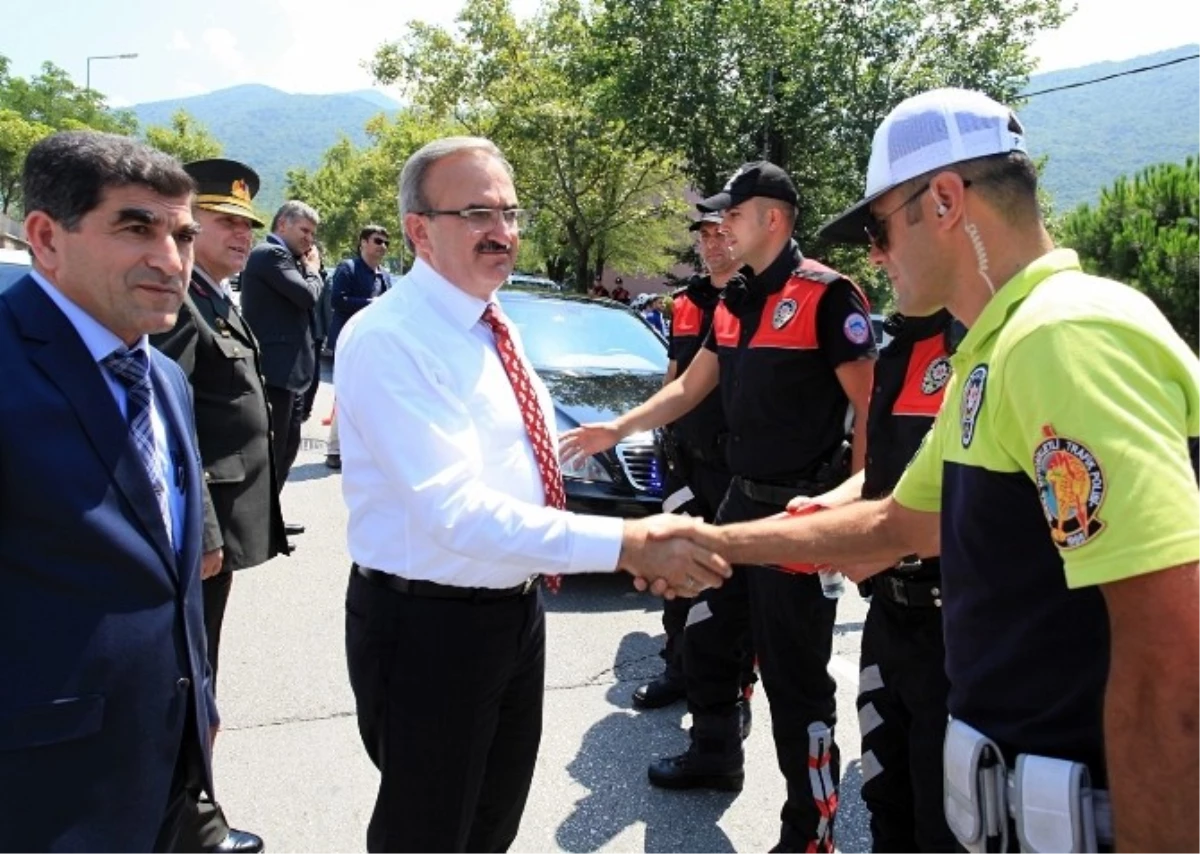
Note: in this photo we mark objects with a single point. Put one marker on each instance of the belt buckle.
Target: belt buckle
(529, 584)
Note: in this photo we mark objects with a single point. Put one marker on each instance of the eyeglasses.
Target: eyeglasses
(480, 220)
(876, 226)
(380, 241)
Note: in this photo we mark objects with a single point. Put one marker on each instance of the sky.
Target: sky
(212, 44)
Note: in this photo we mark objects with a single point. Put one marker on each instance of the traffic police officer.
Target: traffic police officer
(697, 476)
(1059, 484)
(793, 348)
(903, 686)
(215, 348)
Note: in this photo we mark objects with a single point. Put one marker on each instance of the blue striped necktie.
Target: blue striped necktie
(132, 369)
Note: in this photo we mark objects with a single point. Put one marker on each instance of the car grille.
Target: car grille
(641, 466)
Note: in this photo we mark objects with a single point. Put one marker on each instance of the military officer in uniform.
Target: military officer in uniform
(216, 349)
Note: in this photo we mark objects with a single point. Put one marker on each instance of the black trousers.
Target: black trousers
(902, 718)
(202, 824)
(708, 486)
(791, 625)
(310, 393)
(287, 411)
(449, 698)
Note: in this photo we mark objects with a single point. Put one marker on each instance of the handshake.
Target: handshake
(672, 556)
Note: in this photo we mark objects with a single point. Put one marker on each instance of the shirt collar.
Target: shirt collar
(463, 309)
(1012, 294)
(99, 340)
(213, 285)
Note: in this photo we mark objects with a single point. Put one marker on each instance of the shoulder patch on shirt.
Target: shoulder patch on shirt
(972, 402)
(1071, 487)
(936, 376)
(784, 312)
(857, 329)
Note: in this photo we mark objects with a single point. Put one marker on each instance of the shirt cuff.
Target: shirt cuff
(595, 543)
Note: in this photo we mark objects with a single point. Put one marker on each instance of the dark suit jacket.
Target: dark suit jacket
(278, 296)
(354, 286)
(102, 648)
(215, 348)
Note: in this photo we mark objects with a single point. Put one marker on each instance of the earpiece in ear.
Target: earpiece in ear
(941, 209)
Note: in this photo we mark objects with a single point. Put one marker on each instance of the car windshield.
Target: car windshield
(9, 273)
(565, 335)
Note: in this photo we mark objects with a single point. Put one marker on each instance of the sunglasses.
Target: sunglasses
(876, 226)
(380, 241)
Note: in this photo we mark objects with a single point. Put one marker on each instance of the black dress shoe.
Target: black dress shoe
(663, 691)
(239, 842)
(293, 529)
(333, 461)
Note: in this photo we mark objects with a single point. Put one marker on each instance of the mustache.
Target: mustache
(493, 247)
(150, 276)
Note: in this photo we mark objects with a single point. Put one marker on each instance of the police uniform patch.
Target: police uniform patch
(1071, 487)
(784, 312)
(936, 376)
(857, 329)
(972, 402)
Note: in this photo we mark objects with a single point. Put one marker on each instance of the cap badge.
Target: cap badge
(240, 190)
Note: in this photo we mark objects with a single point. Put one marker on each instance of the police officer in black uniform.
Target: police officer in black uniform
(902, 684)
(215, 348)
(792, 346)
(696, 474)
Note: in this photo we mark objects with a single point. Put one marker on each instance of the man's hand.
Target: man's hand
(312, 259)
(588, 439)
(658, 553)
(210, 563)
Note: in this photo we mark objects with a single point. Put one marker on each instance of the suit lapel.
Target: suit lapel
(220, 313)
(65, 360)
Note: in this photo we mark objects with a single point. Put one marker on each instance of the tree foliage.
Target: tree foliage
(600, 189)
(185, 138)
(1145, 232)
(802, 83)
(35, 108)
(355, 186)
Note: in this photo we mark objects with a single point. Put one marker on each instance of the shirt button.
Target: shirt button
(183, 683)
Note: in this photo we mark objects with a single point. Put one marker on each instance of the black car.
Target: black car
(599, 360)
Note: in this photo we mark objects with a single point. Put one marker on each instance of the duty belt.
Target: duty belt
(908, 592)
(772, 493)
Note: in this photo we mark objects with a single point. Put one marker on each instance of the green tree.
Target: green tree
(185, 138)
(600, 191)
(803, 83)
(35, 108)
(1145, 232)
(17, 136)
(355, 186)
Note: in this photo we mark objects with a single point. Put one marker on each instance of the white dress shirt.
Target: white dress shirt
(100, 342)
(438, 471)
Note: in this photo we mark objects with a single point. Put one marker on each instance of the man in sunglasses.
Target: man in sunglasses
(1059, 484)
(356, 283)
(792, 349)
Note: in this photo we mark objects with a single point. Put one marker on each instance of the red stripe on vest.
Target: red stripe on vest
(687, 318)
(726, 327)
(789, 318)
(925, 380)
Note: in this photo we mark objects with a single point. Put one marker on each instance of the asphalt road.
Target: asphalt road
(289, 764)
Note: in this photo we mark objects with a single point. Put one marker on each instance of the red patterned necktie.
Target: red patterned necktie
(535, 420)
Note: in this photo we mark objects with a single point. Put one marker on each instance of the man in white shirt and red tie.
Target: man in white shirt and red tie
(451, 477)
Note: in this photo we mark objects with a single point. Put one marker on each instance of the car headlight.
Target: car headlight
(588, 468)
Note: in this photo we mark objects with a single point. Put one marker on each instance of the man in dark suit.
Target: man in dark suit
(355, 284)
(216, 350)
(107, 712)
(280, 288)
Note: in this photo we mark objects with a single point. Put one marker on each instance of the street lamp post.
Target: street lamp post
(88, 86)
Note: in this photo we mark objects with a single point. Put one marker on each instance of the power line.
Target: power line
(1111, 76)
